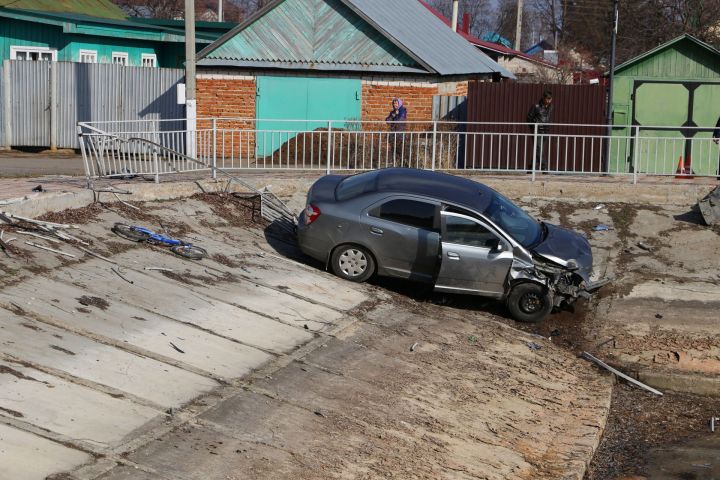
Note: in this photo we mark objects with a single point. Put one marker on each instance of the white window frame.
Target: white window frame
(120, 55)
(150, 57)
(89, 53)
(19, 48)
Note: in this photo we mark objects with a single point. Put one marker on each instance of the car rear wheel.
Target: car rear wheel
(352, 263)
(530, 302)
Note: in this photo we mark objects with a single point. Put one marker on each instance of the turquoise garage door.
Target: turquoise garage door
(302, 99)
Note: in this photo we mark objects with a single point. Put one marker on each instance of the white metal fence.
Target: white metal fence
(160, 147)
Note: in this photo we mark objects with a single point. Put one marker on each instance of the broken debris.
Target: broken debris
(597, 361)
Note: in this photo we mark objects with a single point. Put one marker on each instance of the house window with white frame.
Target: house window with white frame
(33, 53)
(120, 58)
(88, 56)
(148, 60)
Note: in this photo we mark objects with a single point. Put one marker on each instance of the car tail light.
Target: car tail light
(311, 214)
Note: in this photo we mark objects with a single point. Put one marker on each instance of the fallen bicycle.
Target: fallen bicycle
(142, 234)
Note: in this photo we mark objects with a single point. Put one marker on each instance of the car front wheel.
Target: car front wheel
(353, 263)
(529, 302)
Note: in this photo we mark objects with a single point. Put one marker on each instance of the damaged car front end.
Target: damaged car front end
(562, 282)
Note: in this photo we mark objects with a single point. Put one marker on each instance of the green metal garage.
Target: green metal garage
(666, 92)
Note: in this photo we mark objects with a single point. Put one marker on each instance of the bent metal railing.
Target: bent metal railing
(235, 144)
(107, 155)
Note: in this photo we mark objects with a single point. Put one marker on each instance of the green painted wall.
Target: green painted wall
(68, 45)
(665, 104)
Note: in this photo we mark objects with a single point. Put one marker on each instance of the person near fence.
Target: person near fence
(541, 114)
(397, 117)
(396, 120)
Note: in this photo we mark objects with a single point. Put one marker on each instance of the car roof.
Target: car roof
(444, 187)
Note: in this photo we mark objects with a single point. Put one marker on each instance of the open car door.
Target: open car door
(474, 259)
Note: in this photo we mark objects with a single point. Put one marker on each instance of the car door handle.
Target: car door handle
(453, 256)
(376, 230)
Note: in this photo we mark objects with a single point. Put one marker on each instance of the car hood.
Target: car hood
(562, 245)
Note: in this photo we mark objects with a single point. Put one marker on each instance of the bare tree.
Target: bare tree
(586, 25)
(175, 9)
(480, 12)
(506, 18)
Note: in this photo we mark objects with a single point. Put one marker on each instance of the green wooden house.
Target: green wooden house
(671, 87)
(94, 31)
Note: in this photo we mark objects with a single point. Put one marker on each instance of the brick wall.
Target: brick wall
(228, 97)
(462, 89)
(377, 101)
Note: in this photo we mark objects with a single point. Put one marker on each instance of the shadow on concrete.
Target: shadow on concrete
(693, 216)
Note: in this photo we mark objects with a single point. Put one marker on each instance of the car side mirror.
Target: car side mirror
(495, 245)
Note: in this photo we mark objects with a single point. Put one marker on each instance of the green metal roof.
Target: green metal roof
(684, 56)
(82, 24)
(307, 32)
(95, 8)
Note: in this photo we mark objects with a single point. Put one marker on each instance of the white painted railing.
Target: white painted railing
(328, 146)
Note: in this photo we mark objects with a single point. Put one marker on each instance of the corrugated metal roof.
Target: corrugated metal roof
(95, 8)
(126, 28)
(425, 37)
(330, 34)
(308, 32)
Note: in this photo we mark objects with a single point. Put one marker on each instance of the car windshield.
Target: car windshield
(514, 220)
(356, 185)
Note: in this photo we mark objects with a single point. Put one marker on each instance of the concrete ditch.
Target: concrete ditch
(610, 250)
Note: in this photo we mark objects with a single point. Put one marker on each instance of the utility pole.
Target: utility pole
(616, 14)
(220, 12)
(190, 101)
(455, 9)
(518, 24)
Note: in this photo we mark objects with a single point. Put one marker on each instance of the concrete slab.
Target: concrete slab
(183, 304)
(237, 291)
(130, 325)
(74, 411)
(41, 344)
(29, 457)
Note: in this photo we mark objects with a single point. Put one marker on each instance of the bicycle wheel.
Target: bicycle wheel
(189, 251)
(129, 233)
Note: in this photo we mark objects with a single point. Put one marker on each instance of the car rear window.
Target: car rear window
(408, 212)
(356, 185)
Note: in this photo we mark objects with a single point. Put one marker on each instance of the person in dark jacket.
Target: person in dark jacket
(396, 140)
(397, 117)
(541, 114)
